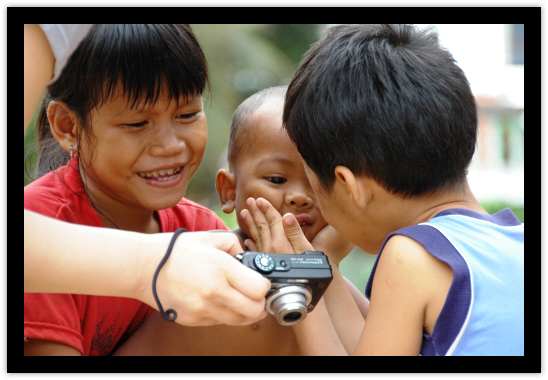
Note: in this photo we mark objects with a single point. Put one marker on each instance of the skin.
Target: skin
(271, 166)
(62, 257)
(128, 141)
(407, 276)
(37, 76)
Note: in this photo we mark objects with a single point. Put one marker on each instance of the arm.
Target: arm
(404, 279)
(359, 298)
(66, 258)
(200, 281)
(37, 76)
(401, 292)
(44, 64)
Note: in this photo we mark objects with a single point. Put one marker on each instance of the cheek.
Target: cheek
(201, 143)
(321, 220)
(196, 146)
(255, 188)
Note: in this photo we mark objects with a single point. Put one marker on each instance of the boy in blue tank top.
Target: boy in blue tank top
(386, 125)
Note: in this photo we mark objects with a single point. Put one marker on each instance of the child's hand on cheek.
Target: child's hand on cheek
(270, 235)
(332, 244)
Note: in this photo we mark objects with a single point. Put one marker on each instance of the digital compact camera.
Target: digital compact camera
(298, 282)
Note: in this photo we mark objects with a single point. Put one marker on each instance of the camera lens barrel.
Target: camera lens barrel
(289, 304)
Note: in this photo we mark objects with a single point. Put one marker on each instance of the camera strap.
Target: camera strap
(166, 256)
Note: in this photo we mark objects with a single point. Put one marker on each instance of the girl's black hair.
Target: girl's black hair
(143, 58)
(389, 103)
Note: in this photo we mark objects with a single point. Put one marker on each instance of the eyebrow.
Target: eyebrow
(281, 160)
(143, 107)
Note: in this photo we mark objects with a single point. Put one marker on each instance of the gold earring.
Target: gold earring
(71, 152)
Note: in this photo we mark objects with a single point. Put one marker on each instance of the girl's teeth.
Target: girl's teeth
(157, 174)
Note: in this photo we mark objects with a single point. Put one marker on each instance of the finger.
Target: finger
(246, 281)
(273, 218)
(295, 235)
(223, 240)
(239, 310)
(257, 225)
(249, 222)
(251, 246)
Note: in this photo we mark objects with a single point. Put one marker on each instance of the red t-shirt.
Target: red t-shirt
(94, 325)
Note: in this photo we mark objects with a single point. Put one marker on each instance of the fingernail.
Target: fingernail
(288, 220)
(243, 214)
(264, 314)
(259, 203)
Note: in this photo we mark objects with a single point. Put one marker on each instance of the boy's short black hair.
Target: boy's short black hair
(386, 101)
(242, 115)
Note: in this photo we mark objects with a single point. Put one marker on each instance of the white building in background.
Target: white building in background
(492, 57)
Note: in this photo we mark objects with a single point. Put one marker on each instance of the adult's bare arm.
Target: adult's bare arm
(203, 283)
(39, 63)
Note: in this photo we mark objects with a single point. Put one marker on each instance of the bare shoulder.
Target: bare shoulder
(411, 271)
(404, 256)
(403, 267)
(404, 289)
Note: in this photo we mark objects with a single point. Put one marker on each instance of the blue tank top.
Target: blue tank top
(484, 310)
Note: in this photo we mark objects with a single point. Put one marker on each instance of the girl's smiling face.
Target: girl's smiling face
(142, 158)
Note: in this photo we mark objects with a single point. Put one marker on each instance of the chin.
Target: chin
(163, 204)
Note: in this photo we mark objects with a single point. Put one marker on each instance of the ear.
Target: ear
(225, 184)
(63, 125)
(355, 186)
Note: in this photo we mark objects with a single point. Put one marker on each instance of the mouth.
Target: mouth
(162, 175)
(305, 222)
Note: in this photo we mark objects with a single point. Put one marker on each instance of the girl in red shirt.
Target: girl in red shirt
(127, 115)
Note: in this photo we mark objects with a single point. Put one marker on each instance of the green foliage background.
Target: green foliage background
(244, 59)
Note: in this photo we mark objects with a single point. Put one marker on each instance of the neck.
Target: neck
(428, 207)
(391, 212)
(120, 215)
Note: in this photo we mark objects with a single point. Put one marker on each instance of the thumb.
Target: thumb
(295, 235)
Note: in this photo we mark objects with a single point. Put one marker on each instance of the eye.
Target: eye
(276, 180)
(187, 116)
(137, 125)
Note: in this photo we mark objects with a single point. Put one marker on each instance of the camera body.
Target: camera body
(298, 281)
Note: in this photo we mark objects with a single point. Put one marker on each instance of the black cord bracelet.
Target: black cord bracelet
(166, 256)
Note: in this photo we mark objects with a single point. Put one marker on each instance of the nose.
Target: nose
(298, 198)
(166, 141)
